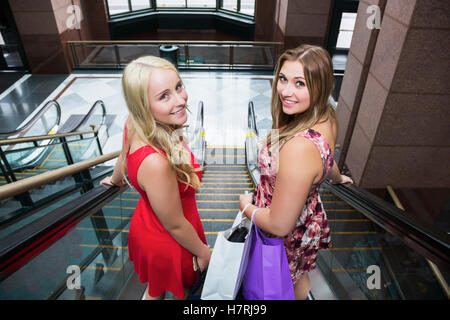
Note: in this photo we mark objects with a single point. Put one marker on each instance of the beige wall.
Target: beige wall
(402, 132)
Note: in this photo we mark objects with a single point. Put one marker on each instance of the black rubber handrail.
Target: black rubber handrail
(252, 117)
(36, 117)
(200, 113)
(85, 119)
(69, 132)
(29, 241)
(430, 242)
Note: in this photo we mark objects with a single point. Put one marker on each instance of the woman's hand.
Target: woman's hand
(108, 182)
(245, 199)
(203, 260)
(342, 179)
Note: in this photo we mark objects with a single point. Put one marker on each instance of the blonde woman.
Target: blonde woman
(294, 164)
(165, 230)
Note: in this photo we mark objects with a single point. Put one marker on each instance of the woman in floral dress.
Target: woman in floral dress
(296, 158)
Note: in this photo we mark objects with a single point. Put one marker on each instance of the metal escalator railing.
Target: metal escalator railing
(433, 266)
(17, 150)
(66, 146)
(45, 121)
(370, 235)
(429, 242)
(88, 233)
(18, 187)
(197, 142)
(79, 251)
(46, 191)
(230, 55)
(49, 107)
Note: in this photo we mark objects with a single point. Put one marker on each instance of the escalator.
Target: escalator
(41, 145)
(89, 234)
(225, 178)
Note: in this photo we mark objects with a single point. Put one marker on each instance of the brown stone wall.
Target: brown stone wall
(401, 135)
(44, 27)
(307, 22)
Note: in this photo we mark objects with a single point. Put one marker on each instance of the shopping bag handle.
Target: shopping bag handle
(245, 208)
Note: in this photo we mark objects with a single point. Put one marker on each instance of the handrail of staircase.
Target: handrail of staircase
(437, 273)
(46, 137)
(35, 118)
(88, 115)
(21, 186)
(431, 243)
(252, 117)
(29, 241)
(175, 42)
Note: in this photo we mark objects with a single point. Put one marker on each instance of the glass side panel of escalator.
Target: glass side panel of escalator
(46, 124)
(50, 156)
(89, 262)
(13, 215)
(367, 262)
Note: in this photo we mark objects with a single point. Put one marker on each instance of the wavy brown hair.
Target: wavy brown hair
(318, 72)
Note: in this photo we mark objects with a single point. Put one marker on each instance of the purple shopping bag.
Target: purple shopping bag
(267, 275)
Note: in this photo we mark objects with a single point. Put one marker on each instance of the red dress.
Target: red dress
(158, 258)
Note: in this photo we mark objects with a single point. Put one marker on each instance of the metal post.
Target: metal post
(5, 174)
(66, 150)
(8, 167)
(116, 50)
(231, 56)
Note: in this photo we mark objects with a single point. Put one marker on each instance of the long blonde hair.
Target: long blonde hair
(318, 72)
(135, 85)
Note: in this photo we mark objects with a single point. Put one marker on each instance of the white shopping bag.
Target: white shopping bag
(223, 278)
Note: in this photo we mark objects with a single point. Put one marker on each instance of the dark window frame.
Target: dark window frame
(339, 7)
(155, 9)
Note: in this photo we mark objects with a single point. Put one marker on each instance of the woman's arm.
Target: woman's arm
(336, 177)
(299, 166)
(117, 178)
(161, 186)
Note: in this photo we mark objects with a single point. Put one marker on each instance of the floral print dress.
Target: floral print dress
(311, 231)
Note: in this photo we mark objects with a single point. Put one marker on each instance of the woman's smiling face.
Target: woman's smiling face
(292, 89)
(167, 97)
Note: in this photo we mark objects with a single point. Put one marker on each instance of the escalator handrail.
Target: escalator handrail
(252, 117)
(36, 117)
(89, 114)
(32, 239)
(72, 132)
(113, 42)
(199, 132)
(15, 188)
(47, 137)
(200, 114)
(430, 242)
